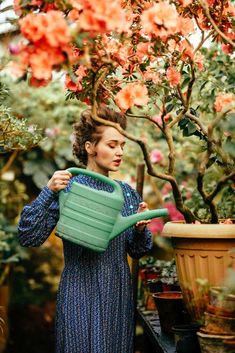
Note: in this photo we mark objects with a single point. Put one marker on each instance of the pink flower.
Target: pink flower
(52, 132)
(156, 156)
(156, 225)
(174, 214)
(14, 49)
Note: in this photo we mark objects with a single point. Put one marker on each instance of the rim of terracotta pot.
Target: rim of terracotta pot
(179, 229)
(208, 335)
(168, 295)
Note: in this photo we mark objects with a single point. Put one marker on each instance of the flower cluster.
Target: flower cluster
(49, 44)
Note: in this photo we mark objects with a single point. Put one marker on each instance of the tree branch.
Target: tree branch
(216, 28)
(9, 162)
(220, 184)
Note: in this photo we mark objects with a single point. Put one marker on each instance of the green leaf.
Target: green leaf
(183, 122)
(191, 128)
(30, 167)
(229, 147)
(203, 85)
(185, 82)
(169, 107)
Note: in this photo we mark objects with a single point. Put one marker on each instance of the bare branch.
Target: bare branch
(220, 184)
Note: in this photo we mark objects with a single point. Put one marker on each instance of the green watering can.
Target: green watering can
(92, 218)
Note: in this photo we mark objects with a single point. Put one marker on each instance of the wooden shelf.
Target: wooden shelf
(160, 342)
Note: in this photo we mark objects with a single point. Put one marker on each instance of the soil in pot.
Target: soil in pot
(170, 308)
(186, 338)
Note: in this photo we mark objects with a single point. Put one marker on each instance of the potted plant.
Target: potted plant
(142, 59)
(217, 333)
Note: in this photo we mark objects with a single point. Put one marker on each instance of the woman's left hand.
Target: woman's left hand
(143, 206)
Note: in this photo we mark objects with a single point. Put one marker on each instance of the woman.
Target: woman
(94, 304)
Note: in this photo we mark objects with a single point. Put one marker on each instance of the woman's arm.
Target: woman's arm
(38, 219)
(139, 239)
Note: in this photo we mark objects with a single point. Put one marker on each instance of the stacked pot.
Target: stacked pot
(218, 333)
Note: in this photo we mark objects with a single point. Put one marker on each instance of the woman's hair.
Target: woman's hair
(88, 129)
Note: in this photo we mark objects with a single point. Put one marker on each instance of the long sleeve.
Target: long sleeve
(38, 219)
(138, 243)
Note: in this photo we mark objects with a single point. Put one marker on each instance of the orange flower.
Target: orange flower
(161, 19)
(124, 98)
(187, 49)
(73, 15)
(57, 33)
(140, 94)
(223, 101)
(38, 83)
(50, 27)
(199, 59)
(132, 94)
(81, 72)
(71, 85)
(227, 48)
(102, 16)
(41, 66)
(185, 26)
(143, 50)
(33, 26)
(173, 76)
(186, 2)
(151, 75)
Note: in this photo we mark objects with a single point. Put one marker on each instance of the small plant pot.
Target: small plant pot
(186, 336)
(170, 309)
(229, 345)
(213, 343)
(216, 324)
(222, 301)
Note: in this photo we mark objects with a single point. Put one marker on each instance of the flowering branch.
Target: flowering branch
(207, 11)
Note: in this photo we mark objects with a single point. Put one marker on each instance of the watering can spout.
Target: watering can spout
(123, 223)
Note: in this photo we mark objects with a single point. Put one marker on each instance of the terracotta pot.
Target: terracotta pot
(229, 345)
(216, 324)
(170, 309)
(221, 302)
(213, 343)
(201, 252)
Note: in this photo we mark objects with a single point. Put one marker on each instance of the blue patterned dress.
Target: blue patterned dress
(94, 302)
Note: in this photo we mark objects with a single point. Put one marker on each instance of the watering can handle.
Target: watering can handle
(101, 177)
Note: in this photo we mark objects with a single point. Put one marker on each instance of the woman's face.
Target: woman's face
(107, 154)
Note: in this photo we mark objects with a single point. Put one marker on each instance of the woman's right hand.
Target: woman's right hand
(59, 180)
